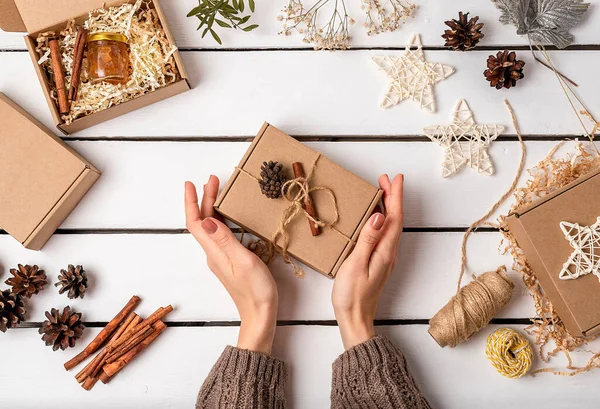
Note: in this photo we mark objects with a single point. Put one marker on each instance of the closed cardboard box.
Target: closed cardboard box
(537, 230)
(41, 178)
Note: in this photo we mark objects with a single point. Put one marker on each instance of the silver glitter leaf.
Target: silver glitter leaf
(544, 21)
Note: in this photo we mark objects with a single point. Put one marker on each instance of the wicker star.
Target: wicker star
(585, 258)
(465, 142)
(412, 77)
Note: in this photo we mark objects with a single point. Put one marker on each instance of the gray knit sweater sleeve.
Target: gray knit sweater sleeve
(243, 379)
(374, 375)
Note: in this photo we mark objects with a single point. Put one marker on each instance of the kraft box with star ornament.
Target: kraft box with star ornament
(560, 237)
(341, 201)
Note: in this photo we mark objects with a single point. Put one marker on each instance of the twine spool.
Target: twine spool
(472, 308)
(509, 352)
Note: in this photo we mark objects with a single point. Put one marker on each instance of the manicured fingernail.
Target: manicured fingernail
(378, 221)
(209, 226)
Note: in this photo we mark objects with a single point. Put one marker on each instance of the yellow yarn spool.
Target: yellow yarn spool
(509, 352)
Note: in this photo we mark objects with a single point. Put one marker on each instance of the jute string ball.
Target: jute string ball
(509, 352)
(474, 305)
(472, 308)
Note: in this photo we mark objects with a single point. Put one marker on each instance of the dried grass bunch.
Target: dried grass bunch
(151, 57)
(546, 177)
(334, 35)
(387, 15)
(381, 16)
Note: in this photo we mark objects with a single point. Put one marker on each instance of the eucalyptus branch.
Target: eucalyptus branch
(226, 13)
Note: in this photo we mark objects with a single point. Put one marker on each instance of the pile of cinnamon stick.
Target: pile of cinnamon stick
(123, 338)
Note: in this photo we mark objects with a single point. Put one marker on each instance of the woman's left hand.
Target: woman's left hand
(246, 278)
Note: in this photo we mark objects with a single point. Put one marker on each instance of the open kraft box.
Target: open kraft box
(35, 17)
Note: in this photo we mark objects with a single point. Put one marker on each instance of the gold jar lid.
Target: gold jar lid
(106, 36)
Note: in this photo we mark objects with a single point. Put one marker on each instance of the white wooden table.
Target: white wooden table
(129, 230)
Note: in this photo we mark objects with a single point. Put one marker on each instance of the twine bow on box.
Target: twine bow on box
(296, 192)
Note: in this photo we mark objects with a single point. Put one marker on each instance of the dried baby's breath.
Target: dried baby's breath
(546, 177)
(150, 53)
(387, 15)
(333, 35)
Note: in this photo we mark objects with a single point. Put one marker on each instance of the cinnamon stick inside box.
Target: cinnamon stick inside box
(242, 202)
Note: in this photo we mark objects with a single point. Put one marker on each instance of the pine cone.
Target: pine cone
(504, 70)
(12, 310)
(61, 330)
(74, 280)
(272, 179)
(464, 34)
(27, 280)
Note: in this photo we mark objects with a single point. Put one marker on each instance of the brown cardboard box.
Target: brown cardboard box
(36, 17)
(242, 202)
(41, 178)
(537, 231)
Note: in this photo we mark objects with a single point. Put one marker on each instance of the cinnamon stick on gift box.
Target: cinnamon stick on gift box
(59, 76)
(308, 204)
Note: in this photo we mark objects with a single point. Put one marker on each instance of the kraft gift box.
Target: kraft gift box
(242, 201)
(41, 178)
(35, 17)
(537, 230)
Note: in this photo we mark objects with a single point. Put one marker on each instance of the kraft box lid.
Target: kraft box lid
(41, 177)
(537, 230)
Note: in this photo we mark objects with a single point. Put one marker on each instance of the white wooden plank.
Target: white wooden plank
(428, 20)
(171, 269)
(170, 373)
(308, 93)
(142, 182)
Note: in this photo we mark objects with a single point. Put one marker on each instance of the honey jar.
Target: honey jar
(108, 58)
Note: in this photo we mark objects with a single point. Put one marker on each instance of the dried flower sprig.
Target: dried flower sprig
(387, 15)
(334, 35)
(230, 12)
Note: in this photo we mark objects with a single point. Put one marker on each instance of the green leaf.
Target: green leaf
(252, 5)
(216, 37)
(235, 4)
(241, 5)
(243, 20)
(194, 11)
(205, 31)
(250, 28)
(222, 23)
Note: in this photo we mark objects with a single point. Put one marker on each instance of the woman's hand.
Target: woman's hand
(246, 278)
(361, 278)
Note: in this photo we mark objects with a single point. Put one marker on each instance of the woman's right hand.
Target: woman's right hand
(245, 277)
(363, 275)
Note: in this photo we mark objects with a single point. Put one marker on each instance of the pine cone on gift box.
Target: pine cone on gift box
(504, 70)
(27, 280)
(272, 179)
(464, 34)
(61, 330)
(74, 280)
(12, 310)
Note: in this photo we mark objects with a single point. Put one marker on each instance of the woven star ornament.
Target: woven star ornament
(464, 141)
(585, 258)
(411, 77)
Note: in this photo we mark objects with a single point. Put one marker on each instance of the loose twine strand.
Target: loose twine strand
(474, 305)
(509, 352)
(295, 192)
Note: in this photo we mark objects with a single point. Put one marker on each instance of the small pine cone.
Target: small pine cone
(504, 70)
(27, 280)
(74, 280)
(12, 310)
(464, 34)
(272, 179)
(61, 330)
